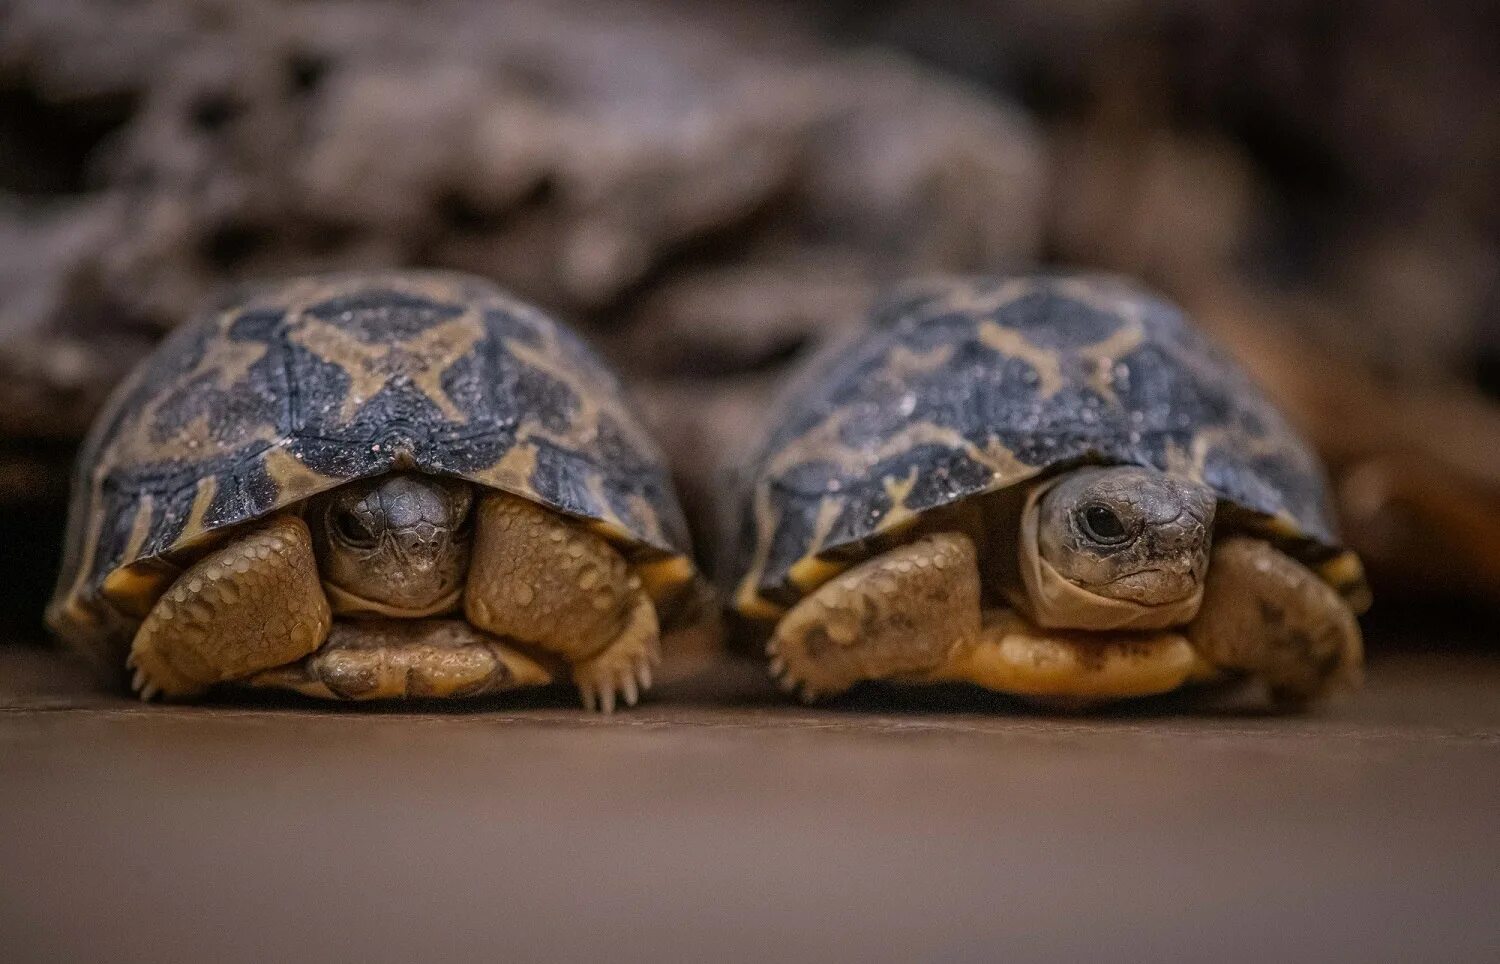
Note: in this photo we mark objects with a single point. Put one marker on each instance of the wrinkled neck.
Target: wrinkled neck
(1051, 601)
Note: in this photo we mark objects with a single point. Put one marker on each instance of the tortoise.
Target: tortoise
(363, 486)
(1053, 486)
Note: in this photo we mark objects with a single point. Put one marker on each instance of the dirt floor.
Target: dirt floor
(716, 823)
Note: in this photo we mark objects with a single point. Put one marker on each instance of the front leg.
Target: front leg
(255, 603)
(539, 579)
(899, 615)
(1267, 615)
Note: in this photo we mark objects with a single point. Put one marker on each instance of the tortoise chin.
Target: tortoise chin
(1149, 587)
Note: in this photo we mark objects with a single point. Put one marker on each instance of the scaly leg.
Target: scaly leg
(1266, 614)
(252, 604)
(539, 579)
(900, 614)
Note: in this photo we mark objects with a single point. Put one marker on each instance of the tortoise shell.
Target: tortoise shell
(302, 386)
(961, 387)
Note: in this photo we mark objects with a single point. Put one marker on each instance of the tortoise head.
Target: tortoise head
(1128, 533)
(394, 545)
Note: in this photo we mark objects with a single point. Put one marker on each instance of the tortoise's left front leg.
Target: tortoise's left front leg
(537, 578)
(254, 603)
(1268, 615)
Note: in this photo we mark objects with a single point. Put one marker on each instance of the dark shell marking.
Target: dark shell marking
(306, 385)
(963, 387)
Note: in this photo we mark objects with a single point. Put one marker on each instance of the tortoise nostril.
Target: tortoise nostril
(422, 539)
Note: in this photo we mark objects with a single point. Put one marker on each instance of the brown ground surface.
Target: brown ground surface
(715, 823)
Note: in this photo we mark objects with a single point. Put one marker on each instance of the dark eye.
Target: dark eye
(352, 529)
(1103, 525)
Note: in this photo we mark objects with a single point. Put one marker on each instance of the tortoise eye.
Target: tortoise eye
(1103, 525)
(352, 529)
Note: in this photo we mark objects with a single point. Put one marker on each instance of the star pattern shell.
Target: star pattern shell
(302, 386)
(960, 387)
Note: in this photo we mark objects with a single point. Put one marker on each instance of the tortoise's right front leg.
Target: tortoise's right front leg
(901, 614)
(537, 578)
(1269, 616)
(255, 603)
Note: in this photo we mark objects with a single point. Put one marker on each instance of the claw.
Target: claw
(150, 692)
(628, 688)
(643, 673)
(808, 694)
(607, 700)
(587, 694)
(138, 681)
(778, 666)
(787, 684)
(771, 648)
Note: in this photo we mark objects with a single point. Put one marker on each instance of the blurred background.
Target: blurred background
(707, 193)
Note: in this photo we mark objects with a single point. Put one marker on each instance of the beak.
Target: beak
(422, 544)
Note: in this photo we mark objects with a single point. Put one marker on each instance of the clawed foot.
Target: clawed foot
(622, 671)
(896, 616)
(799, 677)
(142, 683)
(1266, 615)
(254, 603)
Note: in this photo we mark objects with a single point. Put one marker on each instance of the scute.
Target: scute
(300, 387)
(960, 387)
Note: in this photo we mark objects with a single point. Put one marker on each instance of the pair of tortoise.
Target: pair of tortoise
(413, 485)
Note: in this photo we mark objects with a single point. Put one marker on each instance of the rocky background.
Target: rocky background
(709, 192)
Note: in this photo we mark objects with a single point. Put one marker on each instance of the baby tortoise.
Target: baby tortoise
(373, 486)
(1050, 486)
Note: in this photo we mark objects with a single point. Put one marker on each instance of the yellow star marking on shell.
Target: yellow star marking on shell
(646, 513)
(233, 360)
(810, 572)
(1012, 344)
(962, 299)
(420, 360)
(609, 522)
(227, 359)
(905, 363)
(898, 491)
(747, 597)
(203, 497)
(583, 427)
(513, 472)
(227, 362)
(1103, 355)
(1002, 462)
(294, 483)
(294, 480)
(1179, 462)
(134, 588)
